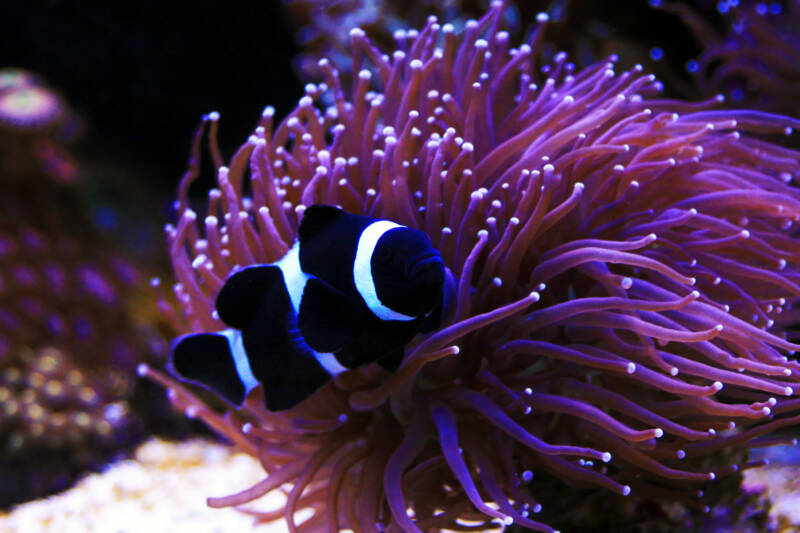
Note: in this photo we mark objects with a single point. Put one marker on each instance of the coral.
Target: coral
(34, 124)
(68, 347)
(70, 338)
(622, 268)
(56, 420)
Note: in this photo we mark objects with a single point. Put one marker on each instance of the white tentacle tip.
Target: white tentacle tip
(247, 427)
(626, 490)
(659, 433)
(631, 368)
(142, 370)
(606, 457)
(534, 296)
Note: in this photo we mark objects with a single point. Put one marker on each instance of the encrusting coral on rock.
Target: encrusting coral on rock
(69, 336)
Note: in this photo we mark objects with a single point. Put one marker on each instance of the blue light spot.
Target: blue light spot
(775, 8)
(656, 53)
(723, 7)
(733, 3)
(761, 8)
(105, 218)
(655, 3)
(737, 95)
(692, 66)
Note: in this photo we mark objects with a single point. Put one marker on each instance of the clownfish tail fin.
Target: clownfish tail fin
(215, 360)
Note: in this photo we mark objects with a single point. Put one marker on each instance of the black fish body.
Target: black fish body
(352, 290)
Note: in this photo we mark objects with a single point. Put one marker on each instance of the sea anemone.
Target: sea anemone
(323, 27)
(620, 264)
(755, 60)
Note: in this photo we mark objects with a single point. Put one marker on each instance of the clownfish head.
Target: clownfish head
(408, 272)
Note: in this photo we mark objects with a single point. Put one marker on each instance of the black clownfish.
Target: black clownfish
(351, 291)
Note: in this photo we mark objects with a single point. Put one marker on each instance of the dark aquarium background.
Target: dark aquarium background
(135, 80)
(142, 74)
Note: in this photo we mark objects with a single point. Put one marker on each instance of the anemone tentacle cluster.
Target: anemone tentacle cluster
(755, 60)
(621, 263)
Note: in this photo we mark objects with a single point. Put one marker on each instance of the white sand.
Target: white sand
(163, 490)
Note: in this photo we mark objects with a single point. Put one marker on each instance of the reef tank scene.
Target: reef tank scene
(424, 266)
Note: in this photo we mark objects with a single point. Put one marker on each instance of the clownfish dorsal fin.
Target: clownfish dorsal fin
(316, 219)
(243, 293)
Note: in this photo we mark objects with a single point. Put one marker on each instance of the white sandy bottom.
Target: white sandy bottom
(162, 490)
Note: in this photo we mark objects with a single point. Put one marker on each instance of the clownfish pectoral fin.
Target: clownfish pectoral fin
(391, 361)
(315, 219)
(243, 293)
(295, 388)
(328, 319)
(433, 319)
(444, 308)
(209, 359)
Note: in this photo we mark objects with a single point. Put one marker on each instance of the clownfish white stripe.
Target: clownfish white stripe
(329, 362)
(362, 270)
(296, 280)
(240, 360)
(293, 276)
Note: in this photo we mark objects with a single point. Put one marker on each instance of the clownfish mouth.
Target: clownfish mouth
(428, 270)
